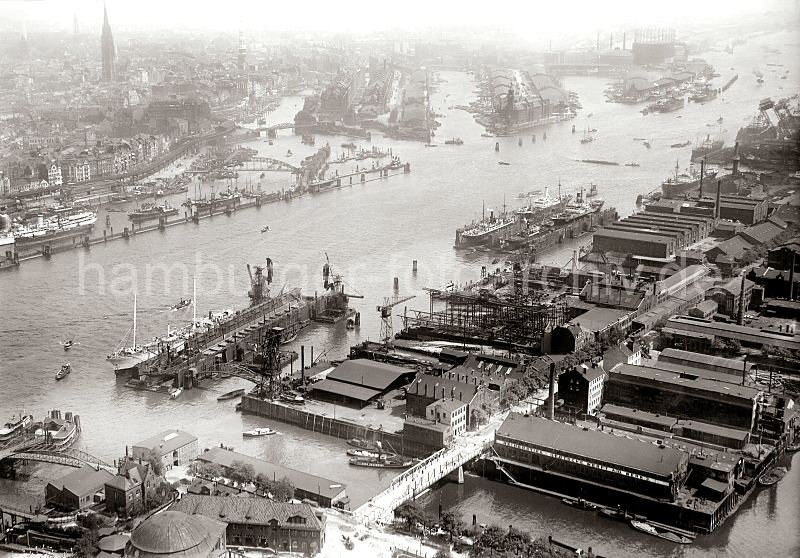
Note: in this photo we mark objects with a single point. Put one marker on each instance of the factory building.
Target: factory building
(581, 389)
(695, 334)
(630, 242)
(682, 394)
(735, 368)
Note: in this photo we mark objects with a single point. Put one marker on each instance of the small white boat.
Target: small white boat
(65, 371)
(174, 393)
(67, 344)
(256, 432)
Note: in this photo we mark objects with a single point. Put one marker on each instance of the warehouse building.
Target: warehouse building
(531, 445)
(693, 333)
(729, 366)
(629, 242)
(682, 395)
(175, 447)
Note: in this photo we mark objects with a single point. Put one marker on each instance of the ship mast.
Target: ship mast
(194, 301)
(134, 321)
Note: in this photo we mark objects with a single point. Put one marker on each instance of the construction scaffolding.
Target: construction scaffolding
(476, 319)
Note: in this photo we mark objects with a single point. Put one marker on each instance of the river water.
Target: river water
(371, 233)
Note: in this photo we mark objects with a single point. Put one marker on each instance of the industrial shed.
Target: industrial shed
(356, 383)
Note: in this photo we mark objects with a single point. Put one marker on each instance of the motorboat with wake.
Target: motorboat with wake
(66, 370)
(265, 229)
(184, 303)
(258, 432)
(67, 344)
(650, 529)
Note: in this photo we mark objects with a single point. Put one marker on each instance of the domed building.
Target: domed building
(172, 534)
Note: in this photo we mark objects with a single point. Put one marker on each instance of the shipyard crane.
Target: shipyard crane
(259, 284)
(387, 334)
(335, 286)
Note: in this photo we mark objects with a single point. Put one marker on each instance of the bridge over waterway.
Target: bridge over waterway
(33, 448)
(419, 478)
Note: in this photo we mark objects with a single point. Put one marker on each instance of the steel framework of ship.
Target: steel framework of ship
(475, 317)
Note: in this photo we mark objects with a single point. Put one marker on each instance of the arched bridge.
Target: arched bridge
(68, 457)
(282, 126)
(268, 164)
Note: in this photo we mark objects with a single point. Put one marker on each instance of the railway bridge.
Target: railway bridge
(269, 164)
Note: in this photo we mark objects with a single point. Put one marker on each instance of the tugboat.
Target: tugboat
(454, 141)
(149, 211)
(349, 145)
(292, 398)
(579, 503)
(67, 344)
(65, 371)
(265, 229)
(182, 304)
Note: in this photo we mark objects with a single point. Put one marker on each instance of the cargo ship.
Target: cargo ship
(487, 230)
(575, 210)
(62, 223)
(150, 211)
(540, 207)
(686, 181)
(668, 104)
(707, 147)
(703, 95)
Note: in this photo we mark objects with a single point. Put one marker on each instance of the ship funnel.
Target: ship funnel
(269, 271)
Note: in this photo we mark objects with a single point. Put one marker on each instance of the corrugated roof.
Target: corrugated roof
(347, 390)
(368, 373)
(593, 444)
(701, 359)
(249, 511)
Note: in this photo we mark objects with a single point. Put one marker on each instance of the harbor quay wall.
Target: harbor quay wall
(695, 521)
(336, 427)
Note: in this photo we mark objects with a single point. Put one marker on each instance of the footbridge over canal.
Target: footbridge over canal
(419, 478)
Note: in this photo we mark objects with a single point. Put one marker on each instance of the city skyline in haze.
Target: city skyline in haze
(526, 20)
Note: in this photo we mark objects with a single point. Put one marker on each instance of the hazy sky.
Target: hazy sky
(524, 17)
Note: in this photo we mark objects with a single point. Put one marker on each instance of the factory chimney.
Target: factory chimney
(716, 206)
(598, 41)
(551, 413)
(740, 316)
(623, 40)
(736, 159)
(791, 279)
(702, 173)
(611, 42)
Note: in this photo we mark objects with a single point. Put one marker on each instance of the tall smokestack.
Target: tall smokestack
(551, 413)
(736, 158)
(702, 173)
(740, 317)
(623, 40)
(598, 41)
(716, 207)
(611, 41)
(791, 279)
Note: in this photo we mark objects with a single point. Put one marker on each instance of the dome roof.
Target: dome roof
(171, 532)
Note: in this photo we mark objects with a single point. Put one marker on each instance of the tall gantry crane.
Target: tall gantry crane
(259, 284)
(385, 310)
